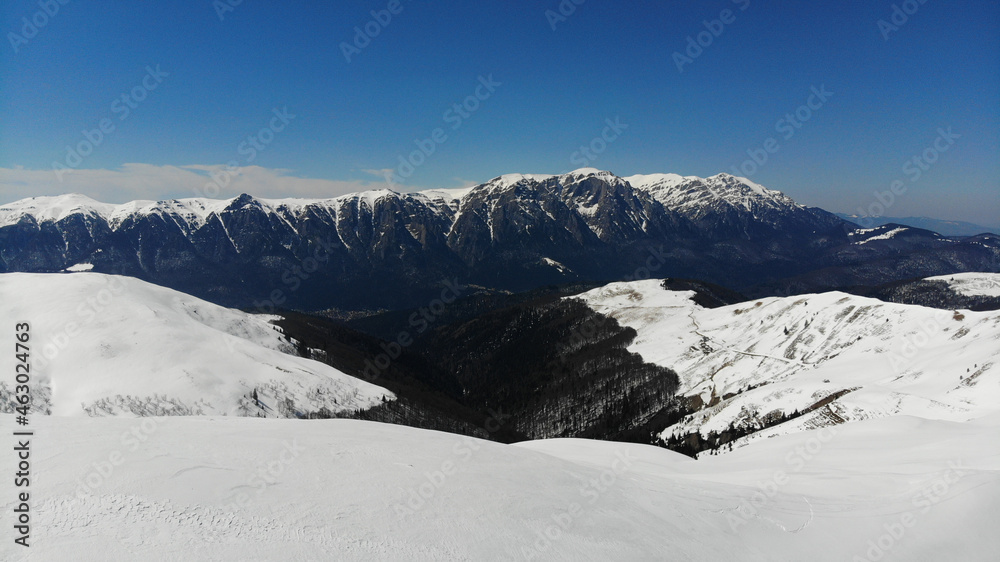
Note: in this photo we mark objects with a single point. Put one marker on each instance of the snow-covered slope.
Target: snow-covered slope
(111, 345)
(972, 284)
(832, 357)
(230, 489)
(55, 208)
(895, 232)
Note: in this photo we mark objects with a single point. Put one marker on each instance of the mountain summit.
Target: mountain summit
(383, 248)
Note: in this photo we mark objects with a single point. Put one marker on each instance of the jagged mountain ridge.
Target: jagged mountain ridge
(722, 204)
(387, 249)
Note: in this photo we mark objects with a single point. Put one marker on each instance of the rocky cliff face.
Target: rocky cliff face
(382, 249)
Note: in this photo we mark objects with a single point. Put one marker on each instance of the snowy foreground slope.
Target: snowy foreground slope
(197, 488)
(112, 345)
(833, 357)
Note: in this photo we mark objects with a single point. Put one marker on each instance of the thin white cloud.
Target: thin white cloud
(461, 183)
(146, 181)
(379, 173)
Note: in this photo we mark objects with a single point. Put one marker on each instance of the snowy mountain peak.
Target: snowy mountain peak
(449, 195)
(691, 191)
(588, 172)
(582, 174)
(729, 179)
(52, 208)
(663, 180)
(371, 197)
(509, 180)
(242, 201)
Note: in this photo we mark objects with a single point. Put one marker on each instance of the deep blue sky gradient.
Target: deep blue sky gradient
(608, 59)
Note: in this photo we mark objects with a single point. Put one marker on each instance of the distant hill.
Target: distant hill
(947, 228)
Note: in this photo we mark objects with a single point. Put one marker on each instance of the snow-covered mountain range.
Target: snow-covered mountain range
(387, 249)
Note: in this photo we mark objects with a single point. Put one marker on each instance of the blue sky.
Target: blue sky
(553, 91)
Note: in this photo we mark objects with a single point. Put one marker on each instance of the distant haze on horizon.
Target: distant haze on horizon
(851, 108)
